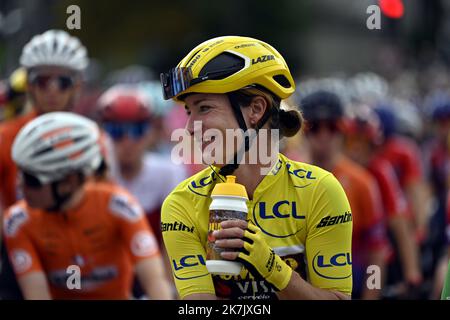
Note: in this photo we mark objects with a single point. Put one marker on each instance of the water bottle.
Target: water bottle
(229, 201)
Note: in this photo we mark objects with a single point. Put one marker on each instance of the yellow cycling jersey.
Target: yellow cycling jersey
(302, 211)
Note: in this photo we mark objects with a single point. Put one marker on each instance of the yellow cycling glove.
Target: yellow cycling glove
(262, 261)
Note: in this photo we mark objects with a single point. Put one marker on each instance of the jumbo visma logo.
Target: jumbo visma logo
(331, 267)
(284, 212)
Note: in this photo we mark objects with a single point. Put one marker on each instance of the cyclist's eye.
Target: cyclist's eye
(204, 108)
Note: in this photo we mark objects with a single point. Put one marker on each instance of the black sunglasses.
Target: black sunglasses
(43, 81)
(315, 126)
(118, 131)
(30, 180)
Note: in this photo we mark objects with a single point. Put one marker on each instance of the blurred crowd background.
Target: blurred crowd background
(403, 67)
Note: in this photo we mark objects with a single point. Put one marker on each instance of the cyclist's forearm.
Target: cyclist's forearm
(376, 258)
(299, 289)
(409, 253)
(153, 280)
(34, 286)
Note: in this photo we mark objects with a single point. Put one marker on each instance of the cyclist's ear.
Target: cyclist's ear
(256, 109)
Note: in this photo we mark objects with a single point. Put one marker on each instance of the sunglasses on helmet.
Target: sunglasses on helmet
(118, 131)
(179, 79)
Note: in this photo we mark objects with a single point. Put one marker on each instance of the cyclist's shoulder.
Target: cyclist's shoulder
(302, 170)
(401, 145)
(11, 127)
(16, 217)
(104, 192)
(192, 192)
(116, 200)
(197, 185)
(354, 172)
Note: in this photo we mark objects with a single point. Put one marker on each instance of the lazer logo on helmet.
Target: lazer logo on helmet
(188, 261)
(330, 221)
(328, 268)
(263, 58)
(191, 64)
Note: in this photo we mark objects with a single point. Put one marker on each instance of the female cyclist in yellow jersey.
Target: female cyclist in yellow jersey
(296, 242)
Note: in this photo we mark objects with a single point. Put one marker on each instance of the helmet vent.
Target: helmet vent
(224, 61)
(282, 81)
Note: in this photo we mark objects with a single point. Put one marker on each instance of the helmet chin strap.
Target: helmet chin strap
(59, 199)
(229, 168)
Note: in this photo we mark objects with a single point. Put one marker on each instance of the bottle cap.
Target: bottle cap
(230, 188)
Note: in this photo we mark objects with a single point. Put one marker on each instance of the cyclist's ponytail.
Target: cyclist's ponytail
(290, 122)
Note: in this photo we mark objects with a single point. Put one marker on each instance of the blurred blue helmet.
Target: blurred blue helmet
(322, 105)
(438, 105)
(387, 119)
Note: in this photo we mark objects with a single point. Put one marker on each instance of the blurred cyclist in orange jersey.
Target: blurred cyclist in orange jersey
(65, 221)
(363, 136)
(324, 114)
(54, 62)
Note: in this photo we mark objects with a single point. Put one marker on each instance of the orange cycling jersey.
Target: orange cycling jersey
(104, 237)
(369, 233)
(8, 170)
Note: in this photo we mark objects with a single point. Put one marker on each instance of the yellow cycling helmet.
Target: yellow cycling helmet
(18, 80)
(227, 64)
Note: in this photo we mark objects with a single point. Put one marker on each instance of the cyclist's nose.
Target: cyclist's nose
(190, 125)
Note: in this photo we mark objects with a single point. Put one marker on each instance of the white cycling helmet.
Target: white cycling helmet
(54, 48)
(56, 144)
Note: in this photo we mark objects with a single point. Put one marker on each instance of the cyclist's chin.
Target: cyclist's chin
(35, 203)
(213, 159)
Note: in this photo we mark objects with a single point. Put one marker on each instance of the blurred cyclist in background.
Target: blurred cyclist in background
(54, 62)
(67, 221)
(405, 157)
(324, 114)
(437, 153)
(363, 136)
(126, 114)
(13, 95)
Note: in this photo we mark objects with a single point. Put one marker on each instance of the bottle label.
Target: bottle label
(215, 218)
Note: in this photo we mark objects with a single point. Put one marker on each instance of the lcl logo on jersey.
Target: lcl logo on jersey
(188, 261)
(283, 210)
(328, 267)
(301, 173)
(194, 186)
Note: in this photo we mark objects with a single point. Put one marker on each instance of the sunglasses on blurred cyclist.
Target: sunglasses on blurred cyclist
(118, 131)
(314, 127)
(30, 180)
(63, 82)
